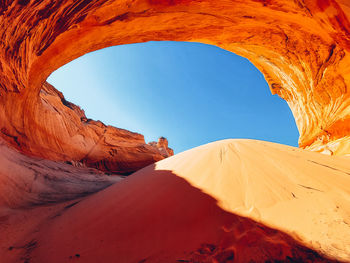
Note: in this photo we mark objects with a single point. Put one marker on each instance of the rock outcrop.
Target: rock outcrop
(162, 146)
(302, 47)
(88, 142)
(256, 201)
(29, 181)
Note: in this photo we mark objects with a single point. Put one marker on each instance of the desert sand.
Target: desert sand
(62, 194)
(227, 201)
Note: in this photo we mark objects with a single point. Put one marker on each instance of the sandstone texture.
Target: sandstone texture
(228, 201)
(162, 146)
(92, 143)
(30, 181)
(301, 46)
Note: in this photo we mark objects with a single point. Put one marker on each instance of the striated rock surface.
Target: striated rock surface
(162, 146)
(230, 201)
(29, 181)
(86, 141)
(302, 47)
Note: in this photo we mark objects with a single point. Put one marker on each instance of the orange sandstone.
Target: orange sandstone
(302, 48)
(162, 146)
(230, 201)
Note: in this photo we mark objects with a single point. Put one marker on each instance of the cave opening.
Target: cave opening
(190, 93)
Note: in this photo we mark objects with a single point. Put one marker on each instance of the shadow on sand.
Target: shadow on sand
(157, 216)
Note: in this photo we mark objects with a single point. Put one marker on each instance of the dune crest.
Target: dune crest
(228, 201)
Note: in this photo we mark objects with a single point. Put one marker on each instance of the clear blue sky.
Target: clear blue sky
(190, 93)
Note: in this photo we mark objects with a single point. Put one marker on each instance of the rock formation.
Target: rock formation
(29, 181)
(95, 144)
(162, 146)
(302, 48)
(224, 202)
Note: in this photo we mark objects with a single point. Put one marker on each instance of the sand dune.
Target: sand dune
(228, 201)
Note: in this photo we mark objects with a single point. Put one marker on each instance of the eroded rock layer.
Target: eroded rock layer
(301, 46)
(29, 181)
(90, 142)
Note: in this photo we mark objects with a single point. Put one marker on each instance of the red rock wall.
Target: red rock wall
(302, 47)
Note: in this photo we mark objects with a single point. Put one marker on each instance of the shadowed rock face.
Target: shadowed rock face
(30, 182)
(302, 47)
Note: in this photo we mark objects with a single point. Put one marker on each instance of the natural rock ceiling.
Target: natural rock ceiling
(302, 47)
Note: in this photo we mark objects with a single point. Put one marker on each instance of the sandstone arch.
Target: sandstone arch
(301, 46)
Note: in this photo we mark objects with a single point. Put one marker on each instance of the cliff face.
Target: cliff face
(89, 142)
(302, 47)
(255, 200)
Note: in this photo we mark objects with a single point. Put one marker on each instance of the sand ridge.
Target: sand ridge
(228, 201)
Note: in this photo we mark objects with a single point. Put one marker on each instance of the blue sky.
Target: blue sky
(190, 93)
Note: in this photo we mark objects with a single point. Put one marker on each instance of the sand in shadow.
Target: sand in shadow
(157, 216)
